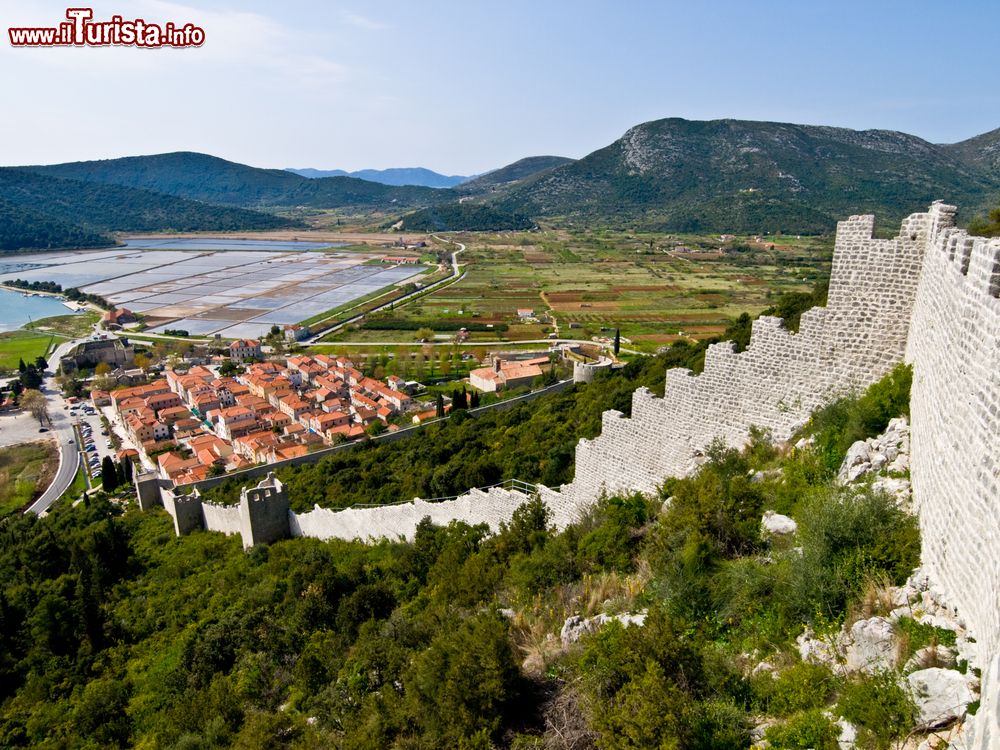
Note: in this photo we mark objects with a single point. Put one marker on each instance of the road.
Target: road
(456, 274)
(62, 431)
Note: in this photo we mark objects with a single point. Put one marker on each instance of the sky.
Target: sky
(464, 87)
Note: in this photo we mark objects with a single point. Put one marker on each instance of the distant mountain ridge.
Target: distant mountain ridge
(213, 180)
(393, 176)
(670, 174)
(517, 172)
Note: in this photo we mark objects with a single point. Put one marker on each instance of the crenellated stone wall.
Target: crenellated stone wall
(781, 377)
(954, 346)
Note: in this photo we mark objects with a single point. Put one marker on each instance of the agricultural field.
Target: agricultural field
(71, 326)
(25, 471)
(656, 288)
(26, 345)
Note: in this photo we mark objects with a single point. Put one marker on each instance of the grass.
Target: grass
(70, 326)
(656, 288)
(26, 345)
(25, 471)
(78, 487)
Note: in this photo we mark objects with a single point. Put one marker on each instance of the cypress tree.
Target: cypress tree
(618, 341)
(439, 406)
(109, 477)
(21, 367)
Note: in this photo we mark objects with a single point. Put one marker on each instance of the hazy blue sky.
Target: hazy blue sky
(462, 87)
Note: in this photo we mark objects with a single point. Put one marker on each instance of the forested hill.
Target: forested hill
(40, 212)
(980, 152)
(207, 178)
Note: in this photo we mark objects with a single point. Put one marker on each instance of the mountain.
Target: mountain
(212, 180)
(40, 212)
(519, 171)
(392, 176)
(732, 175)
(981, 152)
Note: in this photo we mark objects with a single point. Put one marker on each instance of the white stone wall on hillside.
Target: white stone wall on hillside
(224, 518)
(781, 377)
(955, 411)
(493, 507)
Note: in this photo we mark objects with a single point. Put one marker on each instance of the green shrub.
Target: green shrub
(917, 635)
(801, 687)
(879, 708)
(614, 540)
(848, 535)
(838, 425)
(808, 729)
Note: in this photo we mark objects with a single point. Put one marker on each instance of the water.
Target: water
(16, 309)
(194, 243)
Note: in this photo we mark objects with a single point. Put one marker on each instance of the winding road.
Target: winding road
(62, 431)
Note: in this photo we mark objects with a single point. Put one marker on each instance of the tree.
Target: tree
(987, 227)
(618, 341)
(109, 477)
(425, 334)
(41, 364)
(103, 369)
(30, 378)
(141, 361)
(439, 406)
(21, 367)
(34, 401)
(474, 400)
(126, 467)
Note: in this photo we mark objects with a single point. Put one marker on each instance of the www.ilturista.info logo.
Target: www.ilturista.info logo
(80, 30)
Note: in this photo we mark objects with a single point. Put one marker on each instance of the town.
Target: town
(246, 409)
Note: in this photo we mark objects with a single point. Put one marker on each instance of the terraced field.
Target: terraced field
(656, 288)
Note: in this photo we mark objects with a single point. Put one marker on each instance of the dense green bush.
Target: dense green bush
(808, 730)
(879, 707)
(841, 423)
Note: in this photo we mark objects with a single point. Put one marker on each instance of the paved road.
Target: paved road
(456, 274)
(62, 431)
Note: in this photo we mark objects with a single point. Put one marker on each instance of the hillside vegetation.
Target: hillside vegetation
(464, 217)
(39, 212)
(117, 634)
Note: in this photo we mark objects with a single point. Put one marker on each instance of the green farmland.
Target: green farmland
(656, 288)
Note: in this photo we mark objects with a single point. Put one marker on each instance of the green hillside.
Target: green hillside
(45, 212)
(213, 180)
(980, 152)
(518, 172)
(740, 176)
(468, 217)
(730, 175)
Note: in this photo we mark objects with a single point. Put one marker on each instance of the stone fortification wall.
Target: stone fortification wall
(492, 506)
(954, 347)
(224, 518)
(782, 376)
